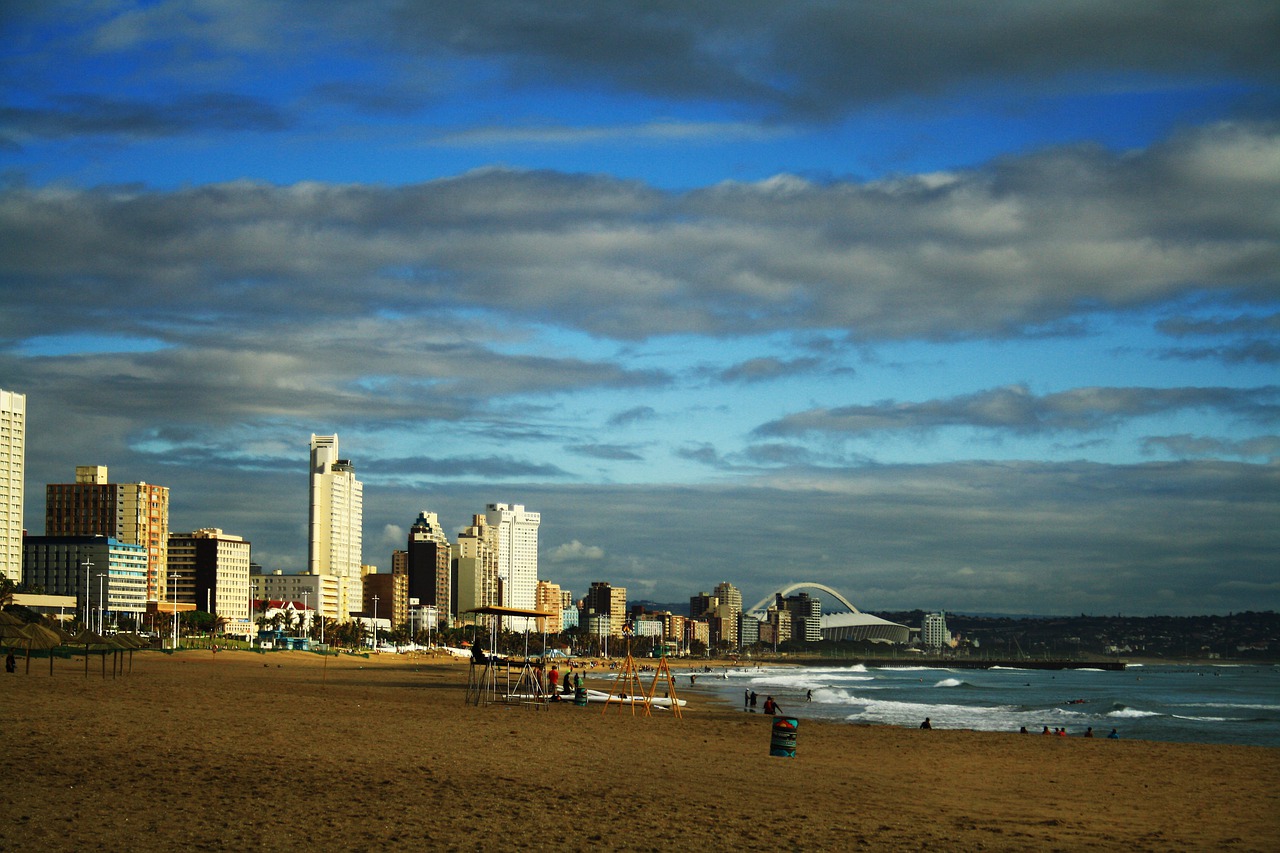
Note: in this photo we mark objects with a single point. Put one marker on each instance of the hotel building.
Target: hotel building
(430, 564)
(210, 569)
(135, 513)
(335, 522)
(475, 568)
(108, 577)
(13, 429)
(515, 531)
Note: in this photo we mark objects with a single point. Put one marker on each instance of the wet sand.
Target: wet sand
(243, 751)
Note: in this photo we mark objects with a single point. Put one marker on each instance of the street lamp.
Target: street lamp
(305, 617)
(174, 580)
(88, 564)
(100, 577)
(375, 623)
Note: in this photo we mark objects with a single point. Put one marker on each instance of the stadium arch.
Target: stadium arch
(842, 626)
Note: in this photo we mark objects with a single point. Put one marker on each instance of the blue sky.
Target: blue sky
(970, 306)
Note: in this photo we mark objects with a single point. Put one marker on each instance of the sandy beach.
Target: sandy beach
(243, 751)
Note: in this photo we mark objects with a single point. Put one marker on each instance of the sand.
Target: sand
(243, 751)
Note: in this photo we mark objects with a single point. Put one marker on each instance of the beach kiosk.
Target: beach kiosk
(489, 677)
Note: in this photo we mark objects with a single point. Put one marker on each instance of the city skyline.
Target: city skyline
(951, 306)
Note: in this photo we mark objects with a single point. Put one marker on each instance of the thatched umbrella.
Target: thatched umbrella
(41, 637)
(128, 642)
(11, 633)
(96, 642)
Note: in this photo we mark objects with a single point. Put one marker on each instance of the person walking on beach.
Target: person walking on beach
(553, 679)
(746, 699)
(753, 701)
(808, 697)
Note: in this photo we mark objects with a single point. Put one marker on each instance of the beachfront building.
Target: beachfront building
(13, 432)
(334, 546)
(933, 631)
(548, 600)
(392, 591)
(748, 630)
(210, 569)
(475, 568)
(321, 593)
(806, 616)
(604, 599)
(430, 564)
(135, 513)
(107, 577)
(514, 532)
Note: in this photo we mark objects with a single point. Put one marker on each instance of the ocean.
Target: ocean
(1187, 704)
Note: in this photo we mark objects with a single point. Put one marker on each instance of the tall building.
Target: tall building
(13, 429)
(336, 519)
(516, 533)
(548, 600)
(933, 631)
(135, 513)
(806, 616)
(210, 569)
(475, 568)
(729, 596)
(430, 564)
(604, 599)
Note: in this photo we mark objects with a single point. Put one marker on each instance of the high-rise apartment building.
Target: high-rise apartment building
(135, 513)
(604, 599)
(933, 631)
(516, 533)
(430, 564)
(13, 431)
(475, 567)
(548, 599)
(210, 569)
(336, 519)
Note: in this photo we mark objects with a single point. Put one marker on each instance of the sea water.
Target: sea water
(1189, 704)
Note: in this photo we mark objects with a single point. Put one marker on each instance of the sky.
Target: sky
(971, 306)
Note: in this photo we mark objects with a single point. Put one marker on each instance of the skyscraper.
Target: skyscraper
(336, 518)
(13, 429)
(515, 532)
(134, 513)
(430, 578)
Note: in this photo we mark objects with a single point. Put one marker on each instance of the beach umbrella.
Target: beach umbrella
(95, 642)
(41, 637)
(12, 635)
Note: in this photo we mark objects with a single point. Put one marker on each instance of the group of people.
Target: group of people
(749, 699)
(1062, 732)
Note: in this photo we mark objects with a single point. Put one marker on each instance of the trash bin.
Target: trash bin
(580, 697)
(783, 743)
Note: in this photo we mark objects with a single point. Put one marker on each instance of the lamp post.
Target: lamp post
(174, 579)
(101, 575)
(307, 619)
(375, 623)
(88, 564)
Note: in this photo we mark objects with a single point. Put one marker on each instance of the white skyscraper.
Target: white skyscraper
(515, 532)
(337, 513)
(13, 431)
